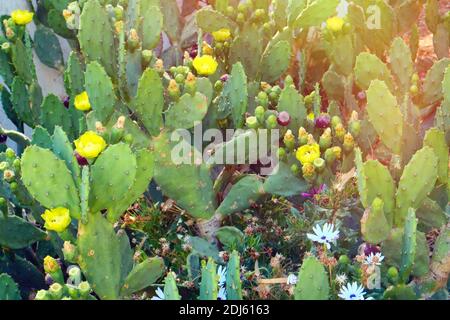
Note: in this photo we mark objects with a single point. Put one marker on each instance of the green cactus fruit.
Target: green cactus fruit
(312, 281)
(374, 226)
(283, 183)
(435, 139)
(16, 233)
(208, 284)
(233, 282)
(100, 91)
(369, 67)
(170, 287)
(195, 194)
(315, 13)
(408, 253)
(385, 115)
(149, 101)
(143, 275)
(243, 194)
(96, 36)
(100, 258)
(112, 176)
(233, 99)
(8, 288)
(275, 60)
(401, 63)
(63, 149)
(49, 180)
(416, 183)
(432, 88)
(229, 236)
(187, 111)
(292, 102)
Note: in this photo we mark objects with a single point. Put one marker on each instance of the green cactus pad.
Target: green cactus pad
(333, 84)
(195, 194)
(275, 61)
(312, 281)
(242, 195)
(441, 256)
(204, 248)
(208, 284)
(16, 233)
(21, 102)
(430, 215)
(416, 183)
(374, 226)
(229, 236)
(432, 88)
(400, 292)
(210, 20)
(435, 139)
(112, 176)
(47, 48)
(233, 99)
(341, 53)
(401, 63)
(316, 13)
(233, 282)
(63, 149)
(96, 36)
(143, 275)
(170, 288)
(41, 138)
(385, 115)
(100, 258)
(49, 181)
(53, 113)
(187, 111)
(8, 288)
(149, 102)
(292, 102)
(74, 75)
(100, 91)
(408, 253)
(22, 61)
(283, 183)
(369, 67)
(151, 26)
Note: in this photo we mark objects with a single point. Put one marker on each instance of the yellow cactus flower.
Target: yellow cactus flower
(335, 24)
(311, 116)
(50, 265)
(90, 145)
(205, 65)
(308, 153)
(222, 35)
(56, 219)
(82, 102)
(22, 17)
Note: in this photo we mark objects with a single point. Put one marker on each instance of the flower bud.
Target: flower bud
(10, 153)
(190, 85)
(319, 165)
(335, 121)
(337, 152)
(84, 288)
(288, 81)
(252, 122)
(147, 56)
(262, 99)
(52, 267)
(281, 153)
(4, 165)
(70, 252)
(133, 40)
(302, 136)
(340, 132)
(42, 295)
(309, 172)
(294, 169)
(271, 122)
(289, 140)
(349, 143)
(326, 139)
(260, 113)
(174, 90)
(74, 274)
(322, 121)
(56, 291)
(330, 156)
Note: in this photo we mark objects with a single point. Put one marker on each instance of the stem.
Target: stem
(18, 137)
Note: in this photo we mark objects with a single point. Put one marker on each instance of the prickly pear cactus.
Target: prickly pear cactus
(8, 288)
(312, 281)
(374, 225)
(233, 282)
(208, 285)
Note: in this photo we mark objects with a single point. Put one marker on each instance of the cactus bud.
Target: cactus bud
(294, 169)
(118, 12)
(10, 34)
(266, 87)
(281, 153)
(302, 136)
(70, 252)
(414, 90)
(284, 119)
(262, 99)
(289, 140)
(393, 274)
(335, 121)
(159, 66)
(84, 288)
(128, 138)
(252, 122)
(8, 175)
(330, 156)
(260, 113)
(4, 165)
(190, 84)
(309, 172)
(273, 97)
(259, 14)
(311, 139)
(56, 291)
(344, 259)
(240, 18)
(52, 267)
(218, 86)
(42, 295)
(322, 121)
(319, 165)
(6, 47)
(326, 139)
(349, 143)
(415, 78)
(74, 274)
(10, 153)
(13, 186)
(271, 122)
(147, 56)
(133, 40)
(174, 90)
(340, 132)
(288, 81)
(337, 152)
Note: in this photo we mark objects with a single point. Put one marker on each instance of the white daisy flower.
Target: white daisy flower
(341, 279)
(374, 259)
(291, 279)
(325, 235)
(353, 291)
(222, 294)
(159, 295)
(222, 273)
